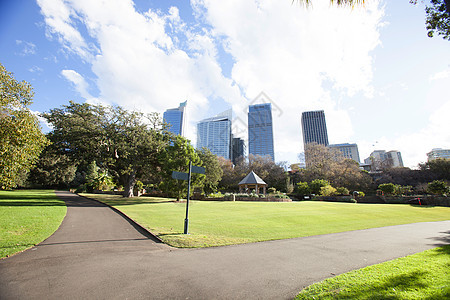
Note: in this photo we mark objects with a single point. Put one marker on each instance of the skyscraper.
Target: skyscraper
(175, 117)
(215, 134)
(314, 128)
(260, 131)
(238, 149)
(347, 150)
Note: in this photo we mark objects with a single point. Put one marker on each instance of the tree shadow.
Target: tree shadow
(32, 199)
(443, 241)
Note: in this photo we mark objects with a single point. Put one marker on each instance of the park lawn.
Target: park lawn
(218, 223)
(27, 217)
(424, 275)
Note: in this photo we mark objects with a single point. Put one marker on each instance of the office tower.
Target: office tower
(215, 134)
(438, 153)
(260, 131)
(238, 149)
(347, 150)
(175, 117)
(394, 159)
(380, 159)
(314, 128)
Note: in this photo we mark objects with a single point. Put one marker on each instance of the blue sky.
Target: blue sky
(382, 82)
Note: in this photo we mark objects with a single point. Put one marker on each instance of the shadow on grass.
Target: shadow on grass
(390, 288)
(31, 199)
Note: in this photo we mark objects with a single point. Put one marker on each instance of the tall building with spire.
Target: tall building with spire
(175, 118)
(215, 134)
(260, 130)
(314, 128)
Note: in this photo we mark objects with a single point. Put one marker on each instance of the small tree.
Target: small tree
(328, 190)
(342, 191)
(387, 188)
(303, 189)
(316, 185)
(438, 187)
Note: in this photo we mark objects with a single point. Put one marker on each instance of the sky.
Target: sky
(382, 83)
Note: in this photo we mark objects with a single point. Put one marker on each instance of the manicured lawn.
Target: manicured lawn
(27, 217)
(225, 223)
(424, 275)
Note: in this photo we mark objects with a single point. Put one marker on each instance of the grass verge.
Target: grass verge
(224, 223)
(27, 217)
(423, 275)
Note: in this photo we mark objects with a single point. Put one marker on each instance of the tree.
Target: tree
(387, 188)
(213, 171)
(125, 143)
(316, 186)
(176, 157)
(302, 189)
(438, 18)
(439, 168)
(437, 187)
(53, 170)
(21, 139)
(329, 164)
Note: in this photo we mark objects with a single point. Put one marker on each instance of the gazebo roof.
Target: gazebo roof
(252, 178)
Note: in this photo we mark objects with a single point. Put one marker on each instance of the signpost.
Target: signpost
(187, 176)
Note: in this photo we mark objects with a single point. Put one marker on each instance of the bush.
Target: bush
(437, 187)
(316, 185)
(387, 188)
(271, 190)
(328, 190)
(342, 191)
(215, 195)
(302, 188)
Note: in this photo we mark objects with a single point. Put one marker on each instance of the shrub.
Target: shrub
(302, 188)
(437, 187)
(271, 190)
(342, 191)
(387, 188)
(316, 185)
(328, 190)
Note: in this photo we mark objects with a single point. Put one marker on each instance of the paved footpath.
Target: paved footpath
(97, 254)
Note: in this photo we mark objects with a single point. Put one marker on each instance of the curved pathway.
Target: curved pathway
(98, 254)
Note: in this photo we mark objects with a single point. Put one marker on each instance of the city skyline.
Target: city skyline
(260, 130)
(216, 135)
(150, 55)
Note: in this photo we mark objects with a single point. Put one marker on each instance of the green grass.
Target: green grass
(224, 223)
(423, 275)
(27, 217)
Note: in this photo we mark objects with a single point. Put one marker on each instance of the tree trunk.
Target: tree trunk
(130, 181)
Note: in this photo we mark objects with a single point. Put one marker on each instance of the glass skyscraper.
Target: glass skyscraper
(314, 128)
(260, 131)
(175, 118)
(215, 134)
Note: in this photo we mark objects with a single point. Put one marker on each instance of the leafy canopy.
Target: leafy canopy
(21, 139)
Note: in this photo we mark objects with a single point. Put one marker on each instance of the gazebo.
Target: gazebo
(252, 181)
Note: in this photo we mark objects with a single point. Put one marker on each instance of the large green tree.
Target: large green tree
(176, 157)
(125, 143)
(213, 171)
(21, 138)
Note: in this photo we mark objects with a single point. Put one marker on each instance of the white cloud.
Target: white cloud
(28, 48)
(79, 83)
(153, 61)
(440, 75)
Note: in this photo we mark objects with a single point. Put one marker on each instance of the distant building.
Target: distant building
(238, 147)
(215, 134)
(314, 128)
(347, 150)
(438, 153)
(175, 117)
(380, 159)
(260, 130)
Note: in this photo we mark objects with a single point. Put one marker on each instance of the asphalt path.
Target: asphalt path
(98, 254)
